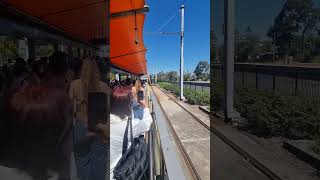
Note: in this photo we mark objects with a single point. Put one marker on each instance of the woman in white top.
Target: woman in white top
(120, 111)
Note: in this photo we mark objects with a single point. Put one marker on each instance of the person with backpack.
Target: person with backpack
(126, 136)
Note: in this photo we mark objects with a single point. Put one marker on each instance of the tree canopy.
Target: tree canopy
(297, 17)
(202, 70)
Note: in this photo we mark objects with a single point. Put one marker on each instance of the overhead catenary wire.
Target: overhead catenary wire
(165, 24)
(159, 32)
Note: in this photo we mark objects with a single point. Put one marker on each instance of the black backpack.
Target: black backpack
(134, 162)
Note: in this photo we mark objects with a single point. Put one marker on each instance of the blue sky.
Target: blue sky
(163, 52)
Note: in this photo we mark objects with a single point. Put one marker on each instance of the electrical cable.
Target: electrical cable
(175, 15)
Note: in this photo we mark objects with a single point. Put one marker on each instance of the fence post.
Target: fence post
(274, 82)
(296, 85)
(242, 77)
(257, 87)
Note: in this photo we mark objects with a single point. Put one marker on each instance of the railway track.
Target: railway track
(260, 167)
(182, 150)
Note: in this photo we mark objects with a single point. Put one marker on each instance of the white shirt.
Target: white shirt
(117, 130)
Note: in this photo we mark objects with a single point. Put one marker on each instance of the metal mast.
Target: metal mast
(181, 52)
(229, 59)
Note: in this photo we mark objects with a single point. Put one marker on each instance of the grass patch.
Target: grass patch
(316, 146)
(192, 96)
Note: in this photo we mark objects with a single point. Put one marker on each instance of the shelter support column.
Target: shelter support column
(23, 49)
(69, 51)
(31, 49)
(61, 47)
(79, 52)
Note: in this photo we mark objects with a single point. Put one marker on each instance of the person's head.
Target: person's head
(38, 67)
(58, 63)
(90, 76)
(128, 82)
(138, 85)
(38, 115)
(121, 100)
(30, 61)
(19, 67)
(76, 64)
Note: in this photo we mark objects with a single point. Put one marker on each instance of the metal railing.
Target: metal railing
(164, 162)
(194, 85)
(286, 80)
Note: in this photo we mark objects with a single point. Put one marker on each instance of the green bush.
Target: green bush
(217, 97)
(316, 146)
(192, 96)
(270, 114)
(197, 97)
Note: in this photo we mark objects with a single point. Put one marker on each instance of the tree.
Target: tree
(296, 17)
(187, 76)
(8, 48)
(202, 70)
(162, 76)
(45, 50)
(246, 45)
(172, 76)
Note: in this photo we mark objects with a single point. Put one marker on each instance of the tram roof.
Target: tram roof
(81, 19)
(127, 50)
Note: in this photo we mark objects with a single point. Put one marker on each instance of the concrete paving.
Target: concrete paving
(274, 157)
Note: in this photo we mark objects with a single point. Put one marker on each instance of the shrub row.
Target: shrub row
(192, 96)
(270, 114)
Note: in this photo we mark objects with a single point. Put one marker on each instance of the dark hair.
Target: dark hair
(19, 67)
(58, 63)
(35, 119)
(39, 67)
(128, 82)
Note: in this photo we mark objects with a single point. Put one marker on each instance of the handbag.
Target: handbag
(133, 163)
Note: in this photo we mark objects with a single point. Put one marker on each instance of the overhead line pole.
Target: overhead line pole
(229, 60)
(181, 33)
(181, 52)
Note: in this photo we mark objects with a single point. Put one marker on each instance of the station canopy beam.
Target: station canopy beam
(130, 12)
